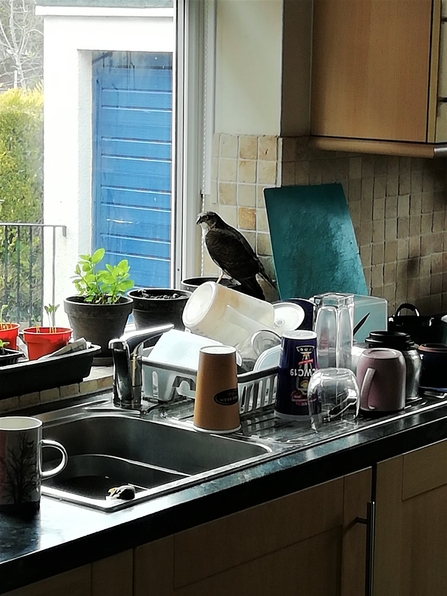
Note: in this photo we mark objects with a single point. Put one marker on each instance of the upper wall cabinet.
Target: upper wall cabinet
(379, 76)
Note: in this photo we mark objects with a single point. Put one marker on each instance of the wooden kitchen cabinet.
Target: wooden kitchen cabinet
(379, 76)
(411, 524)
(306, 543)
(112, 576)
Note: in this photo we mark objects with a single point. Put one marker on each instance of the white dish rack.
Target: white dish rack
(163, 382)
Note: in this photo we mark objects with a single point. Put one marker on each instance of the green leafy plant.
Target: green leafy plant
(101, 286)
(51, 313)
(3, 345)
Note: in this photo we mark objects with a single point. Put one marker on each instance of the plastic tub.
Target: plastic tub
(226, 315)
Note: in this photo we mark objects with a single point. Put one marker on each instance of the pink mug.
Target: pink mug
(381, 376)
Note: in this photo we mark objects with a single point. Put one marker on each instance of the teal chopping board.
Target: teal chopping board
(313, 241)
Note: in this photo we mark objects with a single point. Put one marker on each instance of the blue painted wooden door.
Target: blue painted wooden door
(132, 148)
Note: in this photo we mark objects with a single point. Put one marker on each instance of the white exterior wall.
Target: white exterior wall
(69, 43)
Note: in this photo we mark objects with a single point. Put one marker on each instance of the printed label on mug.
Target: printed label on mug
(297, 364)
(229, 397)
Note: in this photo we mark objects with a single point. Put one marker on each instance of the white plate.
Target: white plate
(288, 316)
(268, 359)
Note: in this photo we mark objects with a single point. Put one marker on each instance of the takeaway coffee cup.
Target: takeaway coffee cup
(216, 407)
(21, 472)
(381, 376)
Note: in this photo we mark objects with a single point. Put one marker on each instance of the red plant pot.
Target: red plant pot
(41, 341)
(9, 333)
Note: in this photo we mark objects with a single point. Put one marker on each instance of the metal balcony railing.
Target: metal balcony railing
(27, 265)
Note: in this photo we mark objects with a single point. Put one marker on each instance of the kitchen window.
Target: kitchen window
(111, 75)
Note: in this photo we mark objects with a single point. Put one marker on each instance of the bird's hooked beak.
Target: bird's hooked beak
(200, 219)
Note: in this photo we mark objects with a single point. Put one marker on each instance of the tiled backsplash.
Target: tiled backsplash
(398, 207)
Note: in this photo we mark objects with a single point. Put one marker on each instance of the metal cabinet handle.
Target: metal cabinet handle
(370, 522)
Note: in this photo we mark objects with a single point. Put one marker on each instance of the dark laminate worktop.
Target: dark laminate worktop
(63, 536)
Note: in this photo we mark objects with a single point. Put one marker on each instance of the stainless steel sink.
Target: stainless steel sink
(110, 449)
(160, 452)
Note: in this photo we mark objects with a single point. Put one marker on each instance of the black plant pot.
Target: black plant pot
(192, 283)
(98, 323)
(158, 306)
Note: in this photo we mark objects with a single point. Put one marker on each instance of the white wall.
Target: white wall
(69, 43)
(249, 66)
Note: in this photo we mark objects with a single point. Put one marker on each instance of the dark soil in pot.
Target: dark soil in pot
(158, 306)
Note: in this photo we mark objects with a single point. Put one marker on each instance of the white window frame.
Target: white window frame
(75, 34)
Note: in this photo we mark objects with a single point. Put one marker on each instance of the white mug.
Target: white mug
(21, 463)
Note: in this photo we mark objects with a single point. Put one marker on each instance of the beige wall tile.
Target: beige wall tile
(230, 214)
(302, 173)
(228, 146)
(247, 171)
(267, 172)
(227, 193)
(261, 221)
(228, 170)
(267, 148)
(248, 147)
(288, 174)
(355, 168)
(398, 208)
(246, 195)
(246, 218)
(263, 244)
(289, 149)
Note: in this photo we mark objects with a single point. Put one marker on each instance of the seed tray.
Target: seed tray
(36, 375)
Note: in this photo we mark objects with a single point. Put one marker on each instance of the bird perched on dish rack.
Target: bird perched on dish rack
(230, 250)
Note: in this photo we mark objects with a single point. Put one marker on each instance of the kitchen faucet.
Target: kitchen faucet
(127, 354)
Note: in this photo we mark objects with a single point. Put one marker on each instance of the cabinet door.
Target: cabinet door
(411, 524)
(72, 583)
(306, 543)
(371, 69)
(112, 576)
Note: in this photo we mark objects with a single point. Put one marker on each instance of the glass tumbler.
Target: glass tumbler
(333, 395)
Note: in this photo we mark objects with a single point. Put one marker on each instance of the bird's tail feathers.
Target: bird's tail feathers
(251, 287)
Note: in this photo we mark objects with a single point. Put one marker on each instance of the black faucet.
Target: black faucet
(127, 364)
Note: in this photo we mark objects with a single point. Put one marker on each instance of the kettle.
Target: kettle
(381, 376)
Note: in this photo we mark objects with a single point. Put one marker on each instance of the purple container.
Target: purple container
(297, 363)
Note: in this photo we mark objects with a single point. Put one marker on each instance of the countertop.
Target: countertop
(63, 536)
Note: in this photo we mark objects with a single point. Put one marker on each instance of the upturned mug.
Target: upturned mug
(381, 376)
(216, 406)
(21, 471)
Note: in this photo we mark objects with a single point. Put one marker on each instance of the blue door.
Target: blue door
(132, 132)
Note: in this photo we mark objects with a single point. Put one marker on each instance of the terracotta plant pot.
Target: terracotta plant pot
(41, 340)
(9, 333)
(158, 306)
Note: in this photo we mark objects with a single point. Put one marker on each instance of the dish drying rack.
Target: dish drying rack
(256, 390)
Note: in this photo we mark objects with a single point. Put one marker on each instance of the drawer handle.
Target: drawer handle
(370, 522)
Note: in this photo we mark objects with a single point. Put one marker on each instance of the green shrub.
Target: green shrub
(21, 155)
(21, 194)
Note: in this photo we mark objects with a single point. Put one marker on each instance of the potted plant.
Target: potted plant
(8, 331)
(7, 355)
(157, 306)
(100, 310)
(42, 340)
